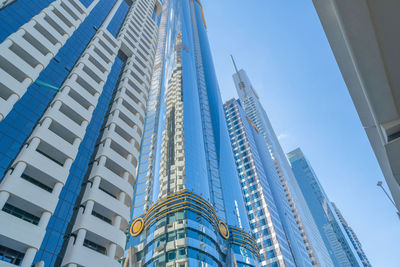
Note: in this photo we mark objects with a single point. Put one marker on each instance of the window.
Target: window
(36, 182)
(171, 255)
(21, 214)
(255, 235)
(271, 254)
(105, 191)
(268, 242)
(94, 246)
(265, 232)
(11, 256)
(101, 217)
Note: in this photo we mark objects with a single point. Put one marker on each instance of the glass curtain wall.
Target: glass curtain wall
(182, 211)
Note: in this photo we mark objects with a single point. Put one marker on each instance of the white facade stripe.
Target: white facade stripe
(28, 51)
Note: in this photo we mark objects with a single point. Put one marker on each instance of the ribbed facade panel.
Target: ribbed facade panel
(42, 183)
(307, 242)
(28, 51)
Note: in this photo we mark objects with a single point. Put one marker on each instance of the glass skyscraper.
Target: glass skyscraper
(271, 219)
(342, 252)
(188, 208)
(353, 237)
(74, 82)
(251, 104)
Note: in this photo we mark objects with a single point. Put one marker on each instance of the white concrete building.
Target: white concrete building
(31, 187)
(310, 236)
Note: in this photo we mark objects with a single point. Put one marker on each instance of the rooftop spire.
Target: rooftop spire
(234, 64)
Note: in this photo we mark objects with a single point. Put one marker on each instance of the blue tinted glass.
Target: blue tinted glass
(233, 200)
(195, 157)
(86, 3)
(59, 221)
(17, 14)
(118, 19)
(19, 123)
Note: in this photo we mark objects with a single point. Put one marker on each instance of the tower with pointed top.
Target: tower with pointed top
(303, 234)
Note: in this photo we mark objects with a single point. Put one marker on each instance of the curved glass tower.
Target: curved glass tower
(188, 207)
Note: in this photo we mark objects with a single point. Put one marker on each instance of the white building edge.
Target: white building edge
(365, 38)
(53, 145)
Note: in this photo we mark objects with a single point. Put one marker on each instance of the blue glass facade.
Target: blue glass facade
(58, 223)
(19, 123)
(335, 238)
(221, 136)
(118, 19)
(250, 102)
(20, 12)
(353, 238)
(267, 207)
(186, 155)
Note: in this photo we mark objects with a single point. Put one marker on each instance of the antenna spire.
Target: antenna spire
(234, 64)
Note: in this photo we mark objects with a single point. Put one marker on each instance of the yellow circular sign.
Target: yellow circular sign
(137, 227)
(223, 229)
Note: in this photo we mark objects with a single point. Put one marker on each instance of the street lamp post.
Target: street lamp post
(380, 184)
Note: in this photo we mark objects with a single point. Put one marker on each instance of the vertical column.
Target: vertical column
(107, 199)
(28, 258)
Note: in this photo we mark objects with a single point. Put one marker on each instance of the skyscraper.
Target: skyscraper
(353, 237)
(309, 232)
(334, 235)
(188, 208)
(271, 219)
(74, 84)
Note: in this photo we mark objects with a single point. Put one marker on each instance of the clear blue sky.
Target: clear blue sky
(284, 50)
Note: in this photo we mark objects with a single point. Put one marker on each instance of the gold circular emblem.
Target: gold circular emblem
(223, 229)
(137, 227)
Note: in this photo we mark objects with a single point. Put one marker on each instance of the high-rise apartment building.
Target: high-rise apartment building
(271, 219)
(74, 81)
(334, 235)
(364, 37)
(353, 237)
(309, 232)
(188, 206)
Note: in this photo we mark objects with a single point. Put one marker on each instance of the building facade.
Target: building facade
(271, 219)
(75, 76)
(251, 104)
(353, 237)
(334, 235)
(188, 209)
(364, 37)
